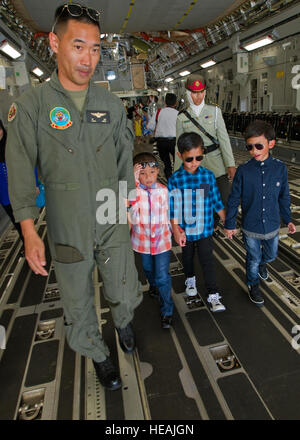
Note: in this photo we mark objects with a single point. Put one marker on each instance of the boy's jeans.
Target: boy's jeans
(156, 268)
(258, 252)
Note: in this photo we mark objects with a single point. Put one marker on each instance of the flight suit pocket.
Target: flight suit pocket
(67, 254)
(113, 268)
(62, 186)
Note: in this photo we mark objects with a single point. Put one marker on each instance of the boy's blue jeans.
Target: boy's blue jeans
(156, 268)
(258, 252)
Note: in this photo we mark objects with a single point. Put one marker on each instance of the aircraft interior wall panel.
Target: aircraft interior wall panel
(270, 66)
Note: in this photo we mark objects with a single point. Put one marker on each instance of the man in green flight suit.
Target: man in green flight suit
(219, 157)
(76, 133)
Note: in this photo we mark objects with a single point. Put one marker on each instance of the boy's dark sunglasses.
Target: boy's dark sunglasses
(257, 146)
(190, 159)
(76, 10)
(150, 164)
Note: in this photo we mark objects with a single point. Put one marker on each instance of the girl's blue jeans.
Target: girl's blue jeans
(156, 268)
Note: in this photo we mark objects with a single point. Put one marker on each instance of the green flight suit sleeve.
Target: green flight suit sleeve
(223, 138)
(124, 147)
(21, 159)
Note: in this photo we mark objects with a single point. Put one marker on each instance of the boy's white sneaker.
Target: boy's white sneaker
(191, 289)
(215, 303)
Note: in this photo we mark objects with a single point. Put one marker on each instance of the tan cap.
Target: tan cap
(195, 83)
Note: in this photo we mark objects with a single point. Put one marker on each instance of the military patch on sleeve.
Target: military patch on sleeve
(12, 113)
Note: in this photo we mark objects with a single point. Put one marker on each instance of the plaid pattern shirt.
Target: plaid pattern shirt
(151, 230)
(193, 199)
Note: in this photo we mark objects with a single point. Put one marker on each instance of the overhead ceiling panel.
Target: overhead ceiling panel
(145, 15)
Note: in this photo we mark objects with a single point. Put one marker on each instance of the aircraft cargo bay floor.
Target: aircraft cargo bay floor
(241, 364)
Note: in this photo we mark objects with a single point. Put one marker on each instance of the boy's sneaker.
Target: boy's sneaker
(263, 272)
(166, 321)
(215, 303)
(255, 295)
(191, 289)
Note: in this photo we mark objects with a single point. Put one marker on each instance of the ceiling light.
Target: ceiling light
(184, 73)
(167, 80)
(208, 64)
(9, 50)
(259, 43)
(37, 71)
(48, 79)
(159, 89)
(110, 75)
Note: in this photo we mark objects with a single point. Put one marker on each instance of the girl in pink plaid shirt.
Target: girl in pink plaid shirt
(151, 231)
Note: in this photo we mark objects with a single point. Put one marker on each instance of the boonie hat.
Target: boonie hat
(195, 83)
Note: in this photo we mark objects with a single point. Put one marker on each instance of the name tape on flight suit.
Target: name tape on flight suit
(98, 117)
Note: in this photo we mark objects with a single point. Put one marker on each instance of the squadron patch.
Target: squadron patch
(60, 118)
(12, 113)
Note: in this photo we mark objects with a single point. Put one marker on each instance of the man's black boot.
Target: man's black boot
(107, 374)
(126, 338)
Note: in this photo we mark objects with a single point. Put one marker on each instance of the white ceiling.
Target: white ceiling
(145, 15)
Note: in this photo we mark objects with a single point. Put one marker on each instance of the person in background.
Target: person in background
(138, 124)
(4, 197)
(164, 124)
(146, 132)
(207, 120)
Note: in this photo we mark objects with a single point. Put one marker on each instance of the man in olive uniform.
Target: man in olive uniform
(77, 135)
(219, 157)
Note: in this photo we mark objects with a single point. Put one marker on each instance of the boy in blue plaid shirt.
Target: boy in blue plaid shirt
(194, 196)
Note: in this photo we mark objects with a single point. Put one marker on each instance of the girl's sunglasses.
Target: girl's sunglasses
(190, 159)
(150, 164)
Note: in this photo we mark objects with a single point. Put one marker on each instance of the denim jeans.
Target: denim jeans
(258, 252)
(156, 268)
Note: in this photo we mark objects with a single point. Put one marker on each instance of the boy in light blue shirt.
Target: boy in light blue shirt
(194, 197)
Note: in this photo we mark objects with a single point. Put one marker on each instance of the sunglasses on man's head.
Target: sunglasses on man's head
(76, 10)
(190, 159)
(257, 146)
(150, 164)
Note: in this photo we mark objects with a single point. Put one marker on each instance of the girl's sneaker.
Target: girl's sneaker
(166, 321)
(153, 292)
